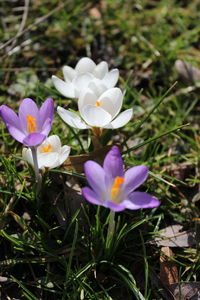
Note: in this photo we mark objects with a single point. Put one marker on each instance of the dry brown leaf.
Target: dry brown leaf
(186, 290)
(168, 268)
(173, 236)
(95, 13)
(187, 71)
(75, 163)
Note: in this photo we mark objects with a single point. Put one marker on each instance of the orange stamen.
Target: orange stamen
(98, 103)
(31, 124)
(116, 186)
(47, 148)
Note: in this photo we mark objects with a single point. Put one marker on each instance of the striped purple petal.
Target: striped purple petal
(46, 111)
(134, 177)
(34, 139)
(91, 196)
(113, 165)
(139, 200)
(95, 176)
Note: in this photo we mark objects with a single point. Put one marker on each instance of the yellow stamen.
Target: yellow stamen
(31, 124)
(98, 103)
(47, 148)
(116, 187)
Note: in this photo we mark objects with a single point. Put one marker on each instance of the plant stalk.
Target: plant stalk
(111, 227)
(36, 168)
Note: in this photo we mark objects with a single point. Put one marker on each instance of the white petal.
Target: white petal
(69, 73)
(101, 70)
(52, 140)
(121, 120)
(48, 160)
(66, 89)
(63, 154)
(85, 65)
(27, 155)
(71, 118)
(81, 83)
(86, 98)
(111, 101)
(110, 79)
(97, 86)
(95, 116)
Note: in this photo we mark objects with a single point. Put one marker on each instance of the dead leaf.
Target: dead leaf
(186, 290)
(95, 13)
(168, 268)
(187, 71)
(173, 236)
(75, 163)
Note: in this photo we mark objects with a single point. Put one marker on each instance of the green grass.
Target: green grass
(58, 249)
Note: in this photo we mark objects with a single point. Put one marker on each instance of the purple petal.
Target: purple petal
(139, 200)
(10, 117)
(91, 196)
(28, 107)
(95, 176)
(34, 139)
(46, 127)
(134, 177)
(113, 165)
(16, 133)
(46, 111)
(115, 206)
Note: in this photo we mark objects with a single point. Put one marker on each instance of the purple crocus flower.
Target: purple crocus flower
(112, 188)
(32, 125)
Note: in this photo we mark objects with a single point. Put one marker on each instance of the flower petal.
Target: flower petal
(139, 200)
(46, 127)
(71, 118)
(121, 120)
(115, 206)
(63, 154)
(91, 196)
(85, 65)
(97, 87)
(134, 177)
(81, 83)
(110, 79)
(101, 70)
(96, 177)
(48, 160)
(111, 101)
(86, 98)
(10, 117)
(95, 116)
(113, 165)
(16, 133)
(65, 88)
(34, 139)
(52, 140)
(29, 107)
(69, 73)
(46, 111)
(27, 155)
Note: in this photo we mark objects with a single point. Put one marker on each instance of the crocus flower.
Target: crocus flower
(98, 111)
(85, 72)
(112, 188)
(32, 125)
(50, 154)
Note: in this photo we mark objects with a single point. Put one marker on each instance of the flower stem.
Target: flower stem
(111, 227)
(96, 137)
(36, 168)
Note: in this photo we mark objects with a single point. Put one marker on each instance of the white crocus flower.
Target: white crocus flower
(86, 71)
(98, 111)
(50, 153)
